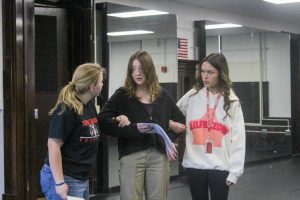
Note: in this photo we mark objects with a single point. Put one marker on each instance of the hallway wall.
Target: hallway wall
(188, 14)
(243, 55)
(278, 73)
(163, 54)
(276, 43)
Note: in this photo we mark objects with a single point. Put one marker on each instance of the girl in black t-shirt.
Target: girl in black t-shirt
(73, 136)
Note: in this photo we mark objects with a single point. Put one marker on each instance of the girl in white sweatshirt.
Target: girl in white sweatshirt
(215, 136)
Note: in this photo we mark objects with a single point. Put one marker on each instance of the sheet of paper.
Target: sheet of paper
(170, 147)
(74, 198)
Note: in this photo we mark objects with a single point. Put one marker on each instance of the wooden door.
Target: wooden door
(51, 73)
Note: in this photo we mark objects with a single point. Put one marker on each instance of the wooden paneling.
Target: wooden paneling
(248, 94)
(295, 91)
(14, 97)
(80, 33)
(30, 184)
(200, 39)
(103, 58)
(186, 81)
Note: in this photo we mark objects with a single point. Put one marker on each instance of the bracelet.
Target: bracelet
(59, 184)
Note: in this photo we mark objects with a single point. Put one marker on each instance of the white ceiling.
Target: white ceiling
(164, 26)
(284, 13)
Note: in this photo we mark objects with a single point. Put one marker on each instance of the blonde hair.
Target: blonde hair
(149, 71)
(84, 76)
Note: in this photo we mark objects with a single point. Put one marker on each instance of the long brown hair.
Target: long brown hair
(219, 62)
(150, 74)
(84, 76)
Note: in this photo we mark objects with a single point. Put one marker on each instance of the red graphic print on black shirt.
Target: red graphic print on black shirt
(94, 132)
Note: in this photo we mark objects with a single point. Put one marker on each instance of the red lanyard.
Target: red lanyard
(209, 117)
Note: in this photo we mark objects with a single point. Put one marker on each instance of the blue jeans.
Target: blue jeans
(77, 188)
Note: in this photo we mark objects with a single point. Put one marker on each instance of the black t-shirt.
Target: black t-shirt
(80, 134)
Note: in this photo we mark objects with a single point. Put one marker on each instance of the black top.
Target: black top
(80, 136)
(148, 107)
(129, 138)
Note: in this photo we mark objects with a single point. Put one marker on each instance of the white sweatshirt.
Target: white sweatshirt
(227, 135)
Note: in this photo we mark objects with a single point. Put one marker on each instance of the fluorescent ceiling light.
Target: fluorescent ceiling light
(136, 32)
(282, 1)
(216, 26)
(137, 13)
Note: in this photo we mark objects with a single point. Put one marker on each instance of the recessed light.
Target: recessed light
(282, 1)
(137, 13)
(136, 32)
(216, 26)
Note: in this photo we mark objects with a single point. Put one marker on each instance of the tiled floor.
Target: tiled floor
(273, 180)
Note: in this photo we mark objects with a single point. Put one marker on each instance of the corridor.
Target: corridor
(271, 180)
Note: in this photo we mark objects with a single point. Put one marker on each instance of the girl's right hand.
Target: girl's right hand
(62, 191)
(122, 120)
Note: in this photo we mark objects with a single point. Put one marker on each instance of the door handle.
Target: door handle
(36, 113)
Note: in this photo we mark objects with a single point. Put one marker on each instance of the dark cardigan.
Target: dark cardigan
(130, 140)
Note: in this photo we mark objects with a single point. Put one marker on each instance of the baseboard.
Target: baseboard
(9, 197)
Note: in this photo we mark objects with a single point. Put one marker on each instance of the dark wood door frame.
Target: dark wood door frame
(31, 186)
(18, 65)
(103, 59)
(18, 51)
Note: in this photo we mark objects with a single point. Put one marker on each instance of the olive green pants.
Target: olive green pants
(146, 172)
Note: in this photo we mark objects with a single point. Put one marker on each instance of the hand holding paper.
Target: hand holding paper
(154, 128)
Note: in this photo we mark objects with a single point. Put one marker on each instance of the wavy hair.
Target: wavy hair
(84, 76)
(149, 72)
(219, 62)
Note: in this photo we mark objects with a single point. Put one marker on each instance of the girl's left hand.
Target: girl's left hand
(176, 127)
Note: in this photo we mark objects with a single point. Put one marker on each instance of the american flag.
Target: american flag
(182, 48)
